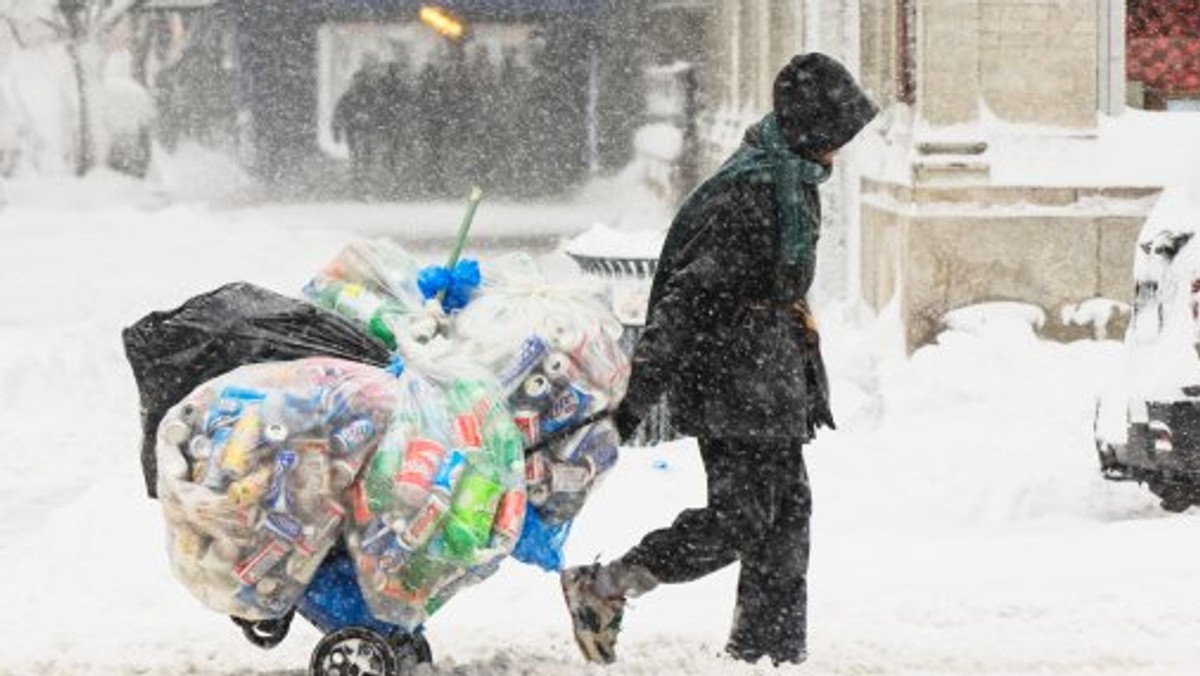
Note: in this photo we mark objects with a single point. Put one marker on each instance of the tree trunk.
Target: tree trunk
(73, 12)
(85, 161)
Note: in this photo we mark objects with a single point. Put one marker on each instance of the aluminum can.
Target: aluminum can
(527, 421)
(567, 405)
(467, 432)
(510, 517)
(425, 523)
(563, 332)
(422, 458)
(533, 350)
(261, 562)
(251, 488)
(353, 437)
(275, 434)
(569, 477)
(560, 368)
(238, 451)
(534, 394)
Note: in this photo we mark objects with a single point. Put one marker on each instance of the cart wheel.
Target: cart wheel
(353, 651)
(411, 650)
(265, 634)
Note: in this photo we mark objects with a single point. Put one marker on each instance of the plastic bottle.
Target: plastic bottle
(469, 524)
(414, 480)
(386, 322)
(381, 473)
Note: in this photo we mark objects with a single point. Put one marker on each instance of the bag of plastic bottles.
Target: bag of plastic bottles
(173, 352)
(560, 368)
(374, 283)
(443, 500)
(253, 468)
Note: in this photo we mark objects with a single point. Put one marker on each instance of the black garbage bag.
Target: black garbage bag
(174, 352)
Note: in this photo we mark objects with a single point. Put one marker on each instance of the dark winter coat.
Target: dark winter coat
(724, 339)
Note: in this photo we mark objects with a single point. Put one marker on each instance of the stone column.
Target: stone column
(948, 77)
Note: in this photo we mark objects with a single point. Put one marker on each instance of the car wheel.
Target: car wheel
(1174, 497)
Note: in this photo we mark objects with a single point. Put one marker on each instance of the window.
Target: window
(1162, 63)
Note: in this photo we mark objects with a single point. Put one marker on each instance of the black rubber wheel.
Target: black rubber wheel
(265, 634)
(411, 650)
(1174, 497)
(354, 651)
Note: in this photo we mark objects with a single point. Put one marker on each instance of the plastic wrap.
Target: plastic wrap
(253, 467)
(173, 352)
(375, 283)
(555, 351)
(443, 499)
(264, 469)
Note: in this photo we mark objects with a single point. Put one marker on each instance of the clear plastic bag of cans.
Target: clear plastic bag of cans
(374, 282)
(443, 499)
(252, 469)
(555, 351)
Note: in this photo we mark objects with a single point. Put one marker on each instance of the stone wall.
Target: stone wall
(937, 249)
(1038, 60)
(1029, 61)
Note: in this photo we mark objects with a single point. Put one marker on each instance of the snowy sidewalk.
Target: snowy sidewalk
(961, 526)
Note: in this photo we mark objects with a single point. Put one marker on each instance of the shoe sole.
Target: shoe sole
(585, 626)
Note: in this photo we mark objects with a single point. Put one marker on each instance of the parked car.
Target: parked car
(1147, 424)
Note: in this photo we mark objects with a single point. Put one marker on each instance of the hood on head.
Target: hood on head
(819, 105)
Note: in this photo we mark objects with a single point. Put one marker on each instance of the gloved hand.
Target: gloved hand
(626, 422)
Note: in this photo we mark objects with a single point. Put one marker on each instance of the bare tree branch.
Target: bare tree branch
(16, 33)
(60, 30)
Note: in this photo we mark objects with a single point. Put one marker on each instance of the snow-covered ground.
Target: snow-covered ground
(961, 525)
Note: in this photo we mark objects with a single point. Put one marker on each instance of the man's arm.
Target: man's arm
(697, 296)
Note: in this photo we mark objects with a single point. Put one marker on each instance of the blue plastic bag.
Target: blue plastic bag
(541, 544)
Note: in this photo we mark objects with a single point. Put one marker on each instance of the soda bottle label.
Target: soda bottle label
(475, 504)
(450, 471)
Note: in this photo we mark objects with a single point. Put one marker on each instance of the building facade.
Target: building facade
(980, 181)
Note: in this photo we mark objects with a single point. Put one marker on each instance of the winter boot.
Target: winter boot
(596, 617)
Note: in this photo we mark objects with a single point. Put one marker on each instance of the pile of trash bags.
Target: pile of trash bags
(433, 421)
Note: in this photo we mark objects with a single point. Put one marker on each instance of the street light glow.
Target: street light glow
(441, 21)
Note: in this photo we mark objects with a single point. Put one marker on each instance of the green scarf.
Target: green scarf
(772, 161)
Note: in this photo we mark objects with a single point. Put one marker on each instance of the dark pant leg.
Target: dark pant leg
(771, 617)
(700, 541)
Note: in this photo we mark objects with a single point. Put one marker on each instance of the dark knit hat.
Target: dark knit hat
(819, 105)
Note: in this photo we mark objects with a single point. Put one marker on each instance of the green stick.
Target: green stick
(473, 201)
(460, 240)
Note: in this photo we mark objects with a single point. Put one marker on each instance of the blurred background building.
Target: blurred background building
(1003, 167)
